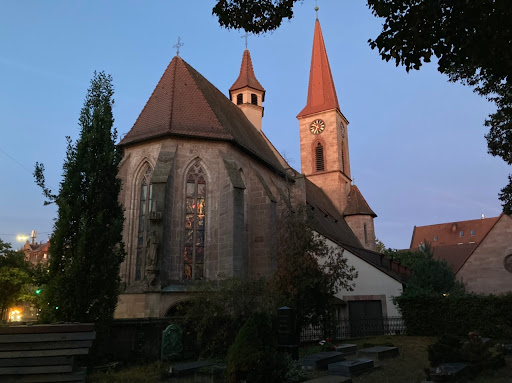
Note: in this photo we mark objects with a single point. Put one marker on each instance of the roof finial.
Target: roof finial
(353, 180)
(316, 9)
(178, 45)
(245, 36)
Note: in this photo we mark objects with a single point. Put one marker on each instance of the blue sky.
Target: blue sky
(417, 146)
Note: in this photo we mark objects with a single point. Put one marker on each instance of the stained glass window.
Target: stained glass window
(195, 215)
(146, 195)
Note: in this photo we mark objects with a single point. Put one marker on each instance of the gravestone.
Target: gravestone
(448, 371)
(172, 343)
(320, 360)
(346, 349)
(286, 334)
(350, 367)
(189, 368)
(379, 352)
(330, 379)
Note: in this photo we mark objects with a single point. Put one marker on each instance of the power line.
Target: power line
(16, 161)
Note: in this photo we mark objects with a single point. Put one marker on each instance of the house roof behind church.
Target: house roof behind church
(321, 91)
(452, 233)
(186, 104)
(246, 78)
(356, 204)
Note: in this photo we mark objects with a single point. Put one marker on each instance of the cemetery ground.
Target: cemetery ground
(408, 367)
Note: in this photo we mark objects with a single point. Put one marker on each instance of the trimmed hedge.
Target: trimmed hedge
(489, 315)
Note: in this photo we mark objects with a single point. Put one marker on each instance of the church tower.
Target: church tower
(324, 146)
(247, 92)
(324, 130)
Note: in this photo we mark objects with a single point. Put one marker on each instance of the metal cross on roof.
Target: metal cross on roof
(245, 36)
(178, 45)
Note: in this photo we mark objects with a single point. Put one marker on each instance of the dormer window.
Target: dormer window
(435, 238)
(319, 157)
(472, 232)
(239, 99)
(461, 234)
(254, 99)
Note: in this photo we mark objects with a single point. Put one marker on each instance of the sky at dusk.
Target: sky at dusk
(417, 146)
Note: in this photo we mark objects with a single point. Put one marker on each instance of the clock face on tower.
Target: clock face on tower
(317, 127)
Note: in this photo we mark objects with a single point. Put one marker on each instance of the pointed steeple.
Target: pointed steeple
(246, 78)
(321, 92)
(247, 92)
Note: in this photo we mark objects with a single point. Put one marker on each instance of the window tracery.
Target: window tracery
(146, 195)
(195, 219)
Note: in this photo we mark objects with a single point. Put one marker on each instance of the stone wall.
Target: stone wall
(484, 272)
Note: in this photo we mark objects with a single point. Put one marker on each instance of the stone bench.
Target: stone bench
(44, 353)
(190, 368)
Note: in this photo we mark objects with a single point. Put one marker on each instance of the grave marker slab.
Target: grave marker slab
(189, 368)
(346, 348)
(320, 360)
(330, 379)
(379, 352)
(448, 371)
(350, 367)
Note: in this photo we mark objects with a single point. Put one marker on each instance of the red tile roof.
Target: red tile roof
(356, 204)
(321, 91)
(185, 104)
(449, 233)
(246, 78)
(454, 255)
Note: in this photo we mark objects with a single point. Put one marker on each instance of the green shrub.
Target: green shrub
(436, 315)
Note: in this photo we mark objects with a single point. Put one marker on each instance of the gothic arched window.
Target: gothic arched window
(146, 194)
(319, 157)
(239, 99)
(365, 233)
(195, 217)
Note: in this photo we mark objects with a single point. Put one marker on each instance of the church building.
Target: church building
(203, 189)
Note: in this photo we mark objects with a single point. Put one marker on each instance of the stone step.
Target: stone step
(351, 367)
(379, 352)
(331, 379)
(321, 360)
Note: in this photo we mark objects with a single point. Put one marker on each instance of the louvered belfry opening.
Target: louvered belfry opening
(254, 99)
(319, 157)
(239, 99)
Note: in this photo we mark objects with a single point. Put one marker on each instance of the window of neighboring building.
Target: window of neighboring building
(472, 232)
(319, 157)
(254, 99)
(435, 238)
(146, 194)
(239, 99)
(195, 216)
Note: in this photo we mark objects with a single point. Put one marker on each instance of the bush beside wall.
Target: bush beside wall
(489, 315)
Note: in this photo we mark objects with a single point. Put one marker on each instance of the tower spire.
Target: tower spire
(321, 91)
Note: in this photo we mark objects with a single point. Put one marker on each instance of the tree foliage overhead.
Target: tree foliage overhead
(253, 16)
(472, 41)
(86, 248)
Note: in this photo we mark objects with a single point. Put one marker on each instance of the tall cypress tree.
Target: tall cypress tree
(86, 247)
